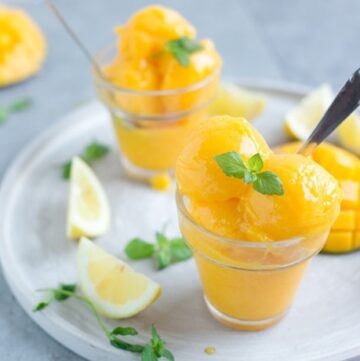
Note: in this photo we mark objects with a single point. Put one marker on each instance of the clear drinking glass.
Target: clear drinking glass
(151, 127)
(247, 285)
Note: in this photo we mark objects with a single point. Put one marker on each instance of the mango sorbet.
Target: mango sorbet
(251, 248)
(22, 46)
(158, 86)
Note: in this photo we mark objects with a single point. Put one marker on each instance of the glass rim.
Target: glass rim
(162, 92)
(233, 241)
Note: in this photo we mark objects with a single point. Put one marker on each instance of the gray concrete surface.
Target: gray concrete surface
(302, 41)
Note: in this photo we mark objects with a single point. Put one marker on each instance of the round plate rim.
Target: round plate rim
(70, 338)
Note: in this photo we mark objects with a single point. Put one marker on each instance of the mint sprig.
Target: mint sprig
(16, 106)
(182, 48)
(265, 182)
(164, 252)
(155, 349)
(151, 351)
(91, 153)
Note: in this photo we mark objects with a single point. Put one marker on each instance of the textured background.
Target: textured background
(299, 41)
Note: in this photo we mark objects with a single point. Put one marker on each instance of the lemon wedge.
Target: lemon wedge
(88, 208)
(115, 289)
(301, 120)
(349, 133)
(237, 102)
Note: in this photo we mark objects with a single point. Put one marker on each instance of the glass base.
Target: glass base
(244, 325)
(139, 173)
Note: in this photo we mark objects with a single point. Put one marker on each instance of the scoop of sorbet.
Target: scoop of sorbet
(229, 207)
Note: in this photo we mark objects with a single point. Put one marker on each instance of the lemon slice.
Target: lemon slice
(237, 102)
(115, 289)
(301, 120)
(88, 208)
(349, 133)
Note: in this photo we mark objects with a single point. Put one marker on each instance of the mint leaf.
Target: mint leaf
(60, 296)
(255, 163)
(180, 251)
(167, 354)
(162, 258)
(16, 106)
(182, 48)
(162, 254)
(162, 240)
(66, 170)
(182, 57)
(124, 331)
(249, 177)
(117, 343)
(148, 354)
(94, 151)
(20, 105)
(155, 337)
(3, 115)
(155, 349)
(165, 252)
(156, 342)
(139, 249)
(231, 164)
(263, 182)
(188, 44)
(40, 306)
(268, 183)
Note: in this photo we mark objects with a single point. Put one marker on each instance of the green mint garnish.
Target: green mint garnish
(92, 152)
(16, 106)
(153, 350)
(165, 251)
(263, 182)
(182, 48)
(139, 249)
(63, 292)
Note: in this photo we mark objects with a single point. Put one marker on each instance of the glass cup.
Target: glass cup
(247, 285)
(151, 127)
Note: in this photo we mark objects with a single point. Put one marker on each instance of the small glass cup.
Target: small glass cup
(151, 127)
(247, 285)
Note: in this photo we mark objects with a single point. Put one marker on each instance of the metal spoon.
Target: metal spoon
(55, 10)
(346, 101)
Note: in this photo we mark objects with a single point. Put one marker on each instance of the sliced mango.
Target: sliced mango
(344, 166)
(351, 194)
(339, 242)
(345, 220)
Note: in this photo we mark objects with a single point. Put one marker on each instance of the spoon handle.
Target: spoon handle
(347, 100)
(55, 10)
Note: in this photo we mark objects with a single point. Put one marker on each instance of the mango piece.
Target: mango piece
(351, 191)
(357, 240)
(161, 182)
(345, 166)
(345, 221)
(357, 221)
(22, 46)
(337, 161)
(339, 242)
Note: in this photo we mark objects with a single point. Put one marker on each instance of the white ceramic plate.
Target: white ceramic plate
(323, 324)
